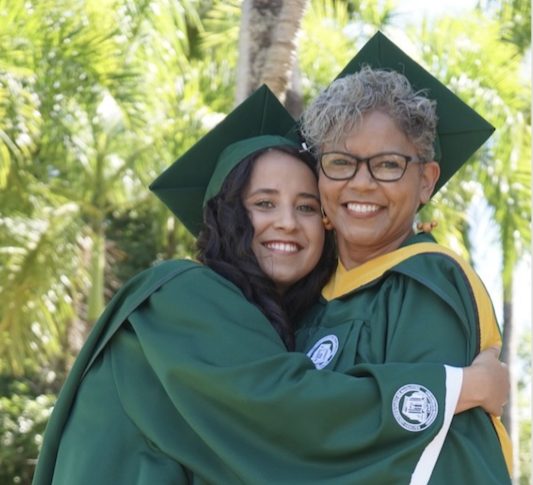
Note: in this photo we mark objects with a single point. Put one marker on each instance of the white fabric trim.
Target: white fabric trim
(428, 458)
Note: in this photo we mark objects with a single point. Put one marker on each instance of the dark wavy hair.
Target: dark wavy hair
(225, 245)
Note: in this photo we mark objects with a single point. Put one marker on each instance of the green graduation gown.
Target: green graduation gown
(182, 380)
(425, 307)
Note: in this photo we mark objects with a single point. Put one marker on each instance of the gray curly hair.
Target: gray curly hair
(338, 108)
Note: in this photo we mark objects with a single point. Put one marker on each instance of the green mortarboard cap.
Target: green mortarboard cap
(460, 129)
(258, 122)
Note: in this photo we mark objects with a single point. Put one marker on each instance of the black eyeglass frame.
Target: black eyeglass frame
(359, 160)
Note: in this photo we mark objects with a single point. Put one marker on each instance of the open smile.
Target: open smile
(282, 247)
(362, 209)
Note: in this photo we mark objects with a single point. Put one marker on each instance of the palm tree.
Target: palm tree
(92, 143)
(267, 45)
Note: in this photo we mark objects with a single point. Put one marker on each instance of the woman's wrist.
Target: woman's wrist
(472, 390)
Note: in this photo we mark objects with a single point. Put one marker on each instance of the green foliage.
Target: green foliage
(514, 17)
(324, 29)
(96, 99)
(128, 254)
(23, 417)
(525, 452)
(488, 74)
(217, 54)
(39, 270)
(516, 23)
(332, 31)
(524, 402)
(18, 102)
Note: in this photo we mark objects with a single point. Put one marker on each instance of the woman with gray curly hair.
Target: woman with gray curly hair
(387, 136)
(339, 108)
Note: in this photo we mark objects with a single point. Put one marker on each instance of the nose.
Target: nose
(286, 219)
(362, 178)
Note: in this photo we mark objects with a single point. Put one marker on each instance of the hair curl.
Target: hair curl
(338, 108)
(225, 245)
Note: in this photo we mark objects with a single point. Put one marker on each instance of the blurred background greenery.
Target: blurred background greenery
(98, 96)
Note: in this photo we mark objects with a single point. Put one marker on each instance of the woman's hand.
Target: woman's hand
(486, 383)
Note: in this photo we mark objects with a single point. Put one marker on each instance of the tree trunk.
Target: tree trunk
(171, 240)
(267, 48)
(244, 80)
(95, 302)
(508, 355)
(79, 328)
(281, 56)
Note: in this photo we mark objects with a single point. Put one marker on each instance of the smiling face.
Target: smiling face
(372, 218)
(283, 205)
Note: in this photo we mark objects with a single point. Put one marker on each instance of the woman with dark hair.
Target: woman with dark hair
(230, 253)
(186, 377)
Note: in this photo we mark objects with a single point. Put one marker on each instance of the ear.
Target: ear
(429, 177)
(328, 226)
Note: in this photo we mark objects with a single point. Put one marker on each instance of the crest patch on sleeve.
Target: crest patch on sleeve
(414, 407)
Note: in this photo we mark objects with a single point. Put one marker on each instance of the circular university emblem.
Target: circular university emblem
(323, 351)
(414, 407)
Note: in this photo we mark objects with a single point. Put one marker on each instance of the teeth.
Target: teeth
(362, 208)
(282, 247)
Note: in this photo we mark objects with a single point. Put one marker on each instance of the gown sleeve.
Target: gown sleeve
(428, 312)
(266, 414)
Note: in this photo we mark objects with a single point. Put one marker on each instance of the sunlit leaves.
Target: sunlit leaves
(487, 73)
(91, 94)
(332, 33)
(39, 269)
(324, 30)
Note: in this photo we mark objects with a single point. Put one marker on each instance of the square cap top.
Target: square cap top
(258, 122)
(460, 129)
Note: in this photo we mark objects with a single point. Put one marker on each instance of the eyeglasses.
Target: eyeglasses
(384, 167)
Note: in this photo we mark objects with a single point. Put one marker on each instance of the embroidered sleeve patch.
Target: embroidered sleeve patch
(323, 351)
(414, 407)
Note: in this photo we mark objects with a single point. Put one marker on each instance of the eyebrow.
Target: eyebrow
(266, 191)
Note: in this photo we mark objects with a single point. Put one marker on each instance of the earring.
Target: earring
(426, 226)
(328, 226)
